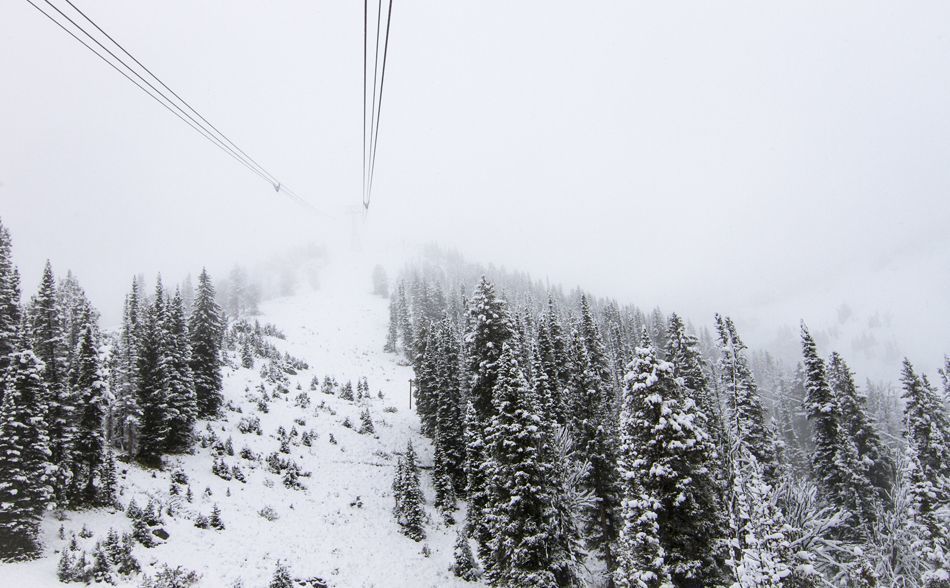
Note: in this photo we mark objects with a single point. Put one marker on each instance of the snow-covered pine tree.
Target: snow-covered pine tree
(593, 424)
(153, 375)
(842, 477)
(9, 301)
(667, 460)
(405, 320)
(411, 512)
(24, 457)
(205, 331)
(464, 566)
(449, 426)
(488, 328)
(445, 500)
(746, 417)
(89, 385)
(874, 456)
(551, 395)
(182, 399)
(928, 472)
(426, 366)
(477, 476)
(520, 513)
(126, 411)
(76, 312)
(49, 344)
(392, 332)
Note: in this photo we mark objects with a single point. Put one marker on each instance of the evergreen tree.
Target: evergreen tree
(88, 383)
(873, 455)
(594, 428)
(520, 513)
(182, 398)
(281, 578)
(9, 301)
(747, 423)
(464, 566)
(24, 457)
(489, 327)
(126, 411)
(405, 320)
(205, 331)
(410, 512)
(449, 426)
(76, 312)
(666, 461)
(444, 486)
(46, 332)
(841, 476)
(153, 374)
(392, 332)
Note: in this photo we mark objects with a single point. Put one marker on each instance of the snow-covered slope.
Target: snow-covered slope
(340, 528)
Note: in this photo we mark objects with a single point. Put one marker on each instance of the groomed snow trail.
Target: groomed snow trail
(340, 528)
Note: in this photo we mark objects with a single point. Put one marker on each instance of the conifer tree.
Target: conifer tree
(392, 332)
(126, 411)
(747, 423)
(842, 476)
(76, 312)
(444, 486)
(449, 426)
(88, 383)
(464, 566)
(24, 457)
(873, 456)
(205, 331)
(410, 510)
(405, 320)
(153, 375)
(46, 332)
(489, 327)
(520, 511)
(182, 398)
(594, 427)
(666, 459)
(9, 301)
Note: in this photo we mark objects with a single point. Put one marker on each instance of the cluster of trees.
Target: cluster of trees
(70, 394)
(601, 435)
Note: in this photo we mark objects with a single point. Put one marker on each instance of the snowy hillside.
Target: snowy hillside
(339, 527)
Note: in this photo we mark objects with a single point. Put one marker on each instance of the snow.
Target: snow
(340, 331)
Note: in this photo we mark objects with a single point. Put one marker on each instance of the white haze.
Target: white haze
(769, 161)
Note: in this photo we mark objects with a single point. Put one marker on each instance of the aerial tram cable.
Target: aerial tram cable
(379, 106)
(272, 178)
(213, 134)
(369, 168)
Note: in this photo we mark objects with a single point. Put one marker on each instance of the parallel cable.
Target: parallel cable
(365, 17)
(372, 113)
(379, 107)
(222, 142)
(197, 129)
(175, 94)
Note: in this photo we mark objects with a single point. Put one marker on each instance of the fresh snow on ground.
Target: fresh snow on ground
(339, 330)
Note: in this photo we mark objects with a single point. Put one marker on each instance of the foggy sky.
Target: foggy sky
(769, 161)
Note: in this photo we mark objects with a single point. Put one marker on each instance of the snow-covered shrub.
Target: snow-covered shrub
(268, 513)
(248, 425)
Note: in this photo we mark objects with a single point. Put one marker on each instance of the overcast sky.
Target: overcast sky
(774, 161)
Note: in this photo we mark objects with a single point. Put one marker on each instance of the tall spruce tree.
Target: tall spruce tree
(24, 457)
(449, 409)
(928, 473)
(49, 344)
(205, 332)
(153, 376)
(9, 301)
(668, 451)
(126, 410)
(594, 427)
(747, 423)
(182, 398)
(875, 458)
(519, 513)
(842, 477)
(89, 386)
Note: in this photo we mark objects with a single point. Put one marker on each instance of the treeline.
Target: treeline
(72, 395)
(585, 435)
